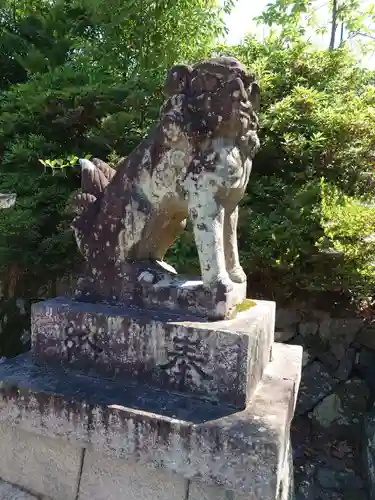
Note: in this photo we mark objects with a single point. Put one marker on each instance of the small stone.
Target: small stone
(305, 489)
(367, 337)
(304, 482)
(326, 411)
(284, 335)
(348, 495)
(346, 365)
(7, 200)
(341, 411)
(325, 328)
(307, 357)
(308, 328)
(308, 354)
(365, 366)
(298, 340)
(327, 478)
(369, 451)
(328, 359)
(286, 319)
(316, 383)
(343, 332)
(301, 438)
(338, 480)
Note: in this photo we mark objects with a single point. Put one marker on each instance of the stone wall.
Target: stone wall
(331, 458)
(336, 393)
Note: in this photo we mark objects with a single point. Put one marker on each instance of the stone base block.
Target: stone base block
(198, 490)
(222, 361)
(243, 452)
(106, 479)
(157, 286)
(10, 492)
(40, 464)
(369, 451)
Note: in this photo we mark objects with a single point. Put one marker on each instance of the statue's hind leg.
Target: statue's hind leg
(168, 234)
(160, 233)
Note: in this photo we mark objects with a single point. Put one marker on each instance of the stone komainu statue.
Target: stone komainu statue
(195, 163)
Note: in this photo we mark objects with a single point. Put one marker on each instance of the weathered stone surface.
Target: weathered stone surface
(7, 200)
(149, 286)
(330, 339)
(308, 354)
(305, 482)
(338, 480)
(308, 328)
(369, 451)
(365, 366)
(366, 337)
(104, 478)
(339, 495)
(284, 336)
(346, 364)
(286, 319)
(340, 333)
(40, 464)
(194, 164)
(368, 446)
(223, 360)
(307, 357)
(10, 492)
(342, 410)
(243, 451)
(316, 383)
(286, 490)
(200, 491)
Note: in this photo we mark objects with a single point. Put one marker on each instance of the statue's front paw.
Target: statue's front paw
(237, 275)
(224, 283)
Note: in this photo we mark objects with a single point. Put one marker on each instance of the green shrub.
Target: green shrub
(317, 121)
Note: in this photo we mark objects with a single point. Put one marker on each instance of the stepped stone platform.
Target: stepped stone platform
(116, 403)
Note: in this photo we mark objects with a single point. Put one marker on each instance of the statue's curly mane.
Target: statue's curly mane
(204, 96)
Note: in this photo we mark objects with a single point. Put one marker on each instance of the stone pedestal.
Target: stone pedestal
(124, 403)
(222, 361)
(157, 286)
(369, 451)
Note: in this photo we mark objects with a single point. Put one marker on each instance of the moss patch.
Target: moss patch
(245, 305)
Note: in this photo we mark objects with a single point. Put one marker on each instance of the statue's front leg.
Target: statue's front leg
(234, 268)
(207, 217)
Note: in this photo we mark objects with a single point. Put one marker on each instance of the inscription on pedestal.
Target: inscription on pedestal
(222, 360)
(185, 360)
(81, 339)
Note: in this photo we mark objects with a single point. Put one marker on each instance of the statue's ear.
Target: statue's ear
(254, 96)
(178, 80)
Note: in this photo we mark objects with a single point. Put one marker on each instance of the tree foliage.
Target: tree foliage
(347, 20)
(77, 77)
(317, 122)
